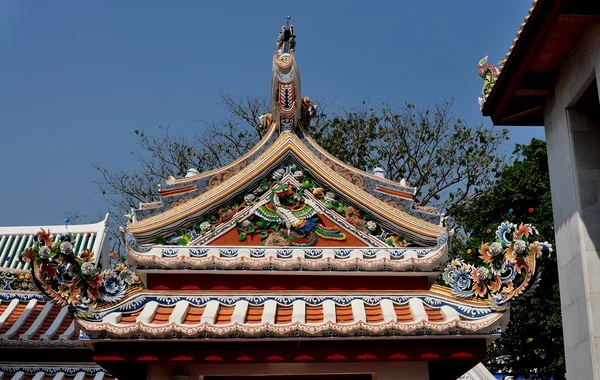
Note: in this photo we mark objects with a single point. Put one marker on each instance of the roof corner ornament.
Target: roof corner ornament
(72, 279)
(489, 73)
(286, 101)
(507, 268)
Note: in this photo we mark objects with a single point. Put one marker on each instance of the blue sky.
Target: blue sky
(77, 78)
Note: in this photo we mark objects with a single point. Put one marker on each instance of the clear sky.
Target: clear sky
(77, 78)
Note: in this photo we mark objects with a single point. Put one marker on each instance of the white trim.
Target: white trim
(479, 372)
(20, 248)
(113, 318)
(68, 333)
(39, 376)
(210, 312)
(59, 376)
(239, 312)
(269, 311)
(35, 326)
(9, 310)
(55, 324)
(18, 376)
(358, 310)
(179, 312)
(5, 241)
(299, 311)
(387, 311)
(79, 376)
(147, 313)
(449, 313)
(329, 314)
(99, 376)
(22, 318)
(418, 310)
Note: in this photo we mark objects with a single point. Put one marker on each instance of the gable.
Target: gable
(288, 207)
(288, 149)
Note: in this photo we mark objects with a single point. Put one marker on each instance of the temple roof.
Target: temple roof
(15, 240)
(297, 193)
(528, 73)
(384, 198)
(402, 314)
(30, 320)
(215, 258)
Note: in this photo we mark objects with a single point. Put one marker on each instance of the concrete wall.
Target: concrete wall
(383, 371)
(573, 136)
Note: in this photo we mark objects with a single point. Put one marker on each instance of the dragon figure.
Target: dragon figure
(506, 269)
(299, 216)
(489, 73)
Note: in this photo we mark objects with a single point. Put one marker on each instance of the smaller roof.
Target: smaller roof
(14, 240)
(528, 73)
(30, 320)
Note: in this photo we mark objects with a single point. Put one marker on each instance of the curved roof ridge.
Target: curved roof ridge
(286, 142)
(313, 142)
(263, 141)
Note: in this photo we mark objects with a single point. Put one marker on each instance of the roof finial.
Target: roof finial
(286, 41)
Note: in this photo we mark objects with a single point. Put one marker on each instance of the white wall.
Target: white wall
(574, 161)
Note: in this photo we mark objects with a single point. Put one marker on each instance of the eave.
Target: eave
(529, 74)
(162, 316)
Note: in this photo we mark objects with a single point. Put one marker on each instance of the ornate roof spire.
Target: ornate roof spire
(286, 41)
(288, 109)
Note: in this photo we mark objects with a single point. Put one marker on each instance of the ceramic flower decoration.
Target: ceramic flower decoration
(72, 278)
(507, 270)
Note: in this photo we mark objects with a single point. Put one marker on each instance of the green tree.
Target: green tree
(532, 343)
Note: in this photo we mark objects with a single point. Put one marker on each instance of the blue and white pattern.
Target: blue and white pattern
(137, 302)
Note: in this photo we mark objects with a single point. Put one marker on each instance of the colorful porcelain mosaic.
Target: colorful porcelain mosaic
(507, 269)
(284, 211)
(73, 279)
(16, 279)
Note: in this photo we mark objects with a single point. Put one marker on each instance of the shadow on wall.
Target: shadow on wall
(584, 120)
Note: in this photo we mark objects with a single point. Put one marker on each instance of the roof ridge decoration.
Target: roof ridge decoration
(403, 314)
(287, 147)
(72, 279)
(16, 280)
(489, 72)
(507, 269)
(288, 109)
(285, 209)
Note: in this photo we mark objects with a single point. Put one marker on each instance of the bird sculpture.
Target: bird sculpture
(300, 217)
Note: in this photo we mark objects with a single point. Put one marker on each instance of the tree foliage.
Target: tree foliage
(449, 162)
(532, 344)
